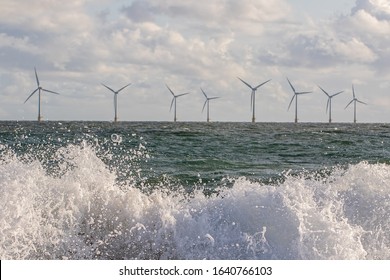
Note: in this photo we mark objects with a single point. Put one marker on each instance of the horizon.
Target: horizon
(249, 122)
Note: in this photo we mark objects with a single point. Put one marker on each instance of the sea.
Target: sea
(194, 191)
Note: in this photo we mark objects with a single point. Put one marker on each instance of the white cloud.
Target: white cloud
(45, 16)
(22, 44)
(378, 8)
(218, 16)
(76, 45)
(355, 51)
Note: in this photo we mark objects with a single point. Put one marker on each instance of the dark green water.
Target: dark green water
(188, 152)
(99, 190)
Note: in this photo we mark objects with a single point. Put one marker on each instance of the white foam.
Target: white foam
(81, 213)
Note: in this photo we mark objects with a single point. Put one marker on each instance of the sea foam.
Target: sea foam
(82, 211)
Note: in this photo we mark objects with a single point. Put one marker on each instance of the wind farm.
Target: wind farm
(253, 96)
(354, 101)
(116, 92)
(39, 89)
(173, 103)
(207, 102)
(295, 96)
(329, 103)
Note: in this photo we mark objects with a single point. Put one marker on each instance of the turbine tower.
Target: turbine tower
(329, 103)
(174, 101)
(354, 100)
(253, 96)
(39, 89)
(296, 99)
(208, 104)
(116, 99)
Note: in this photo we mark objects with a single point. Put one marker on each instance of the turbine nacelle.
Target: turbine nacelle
(295, 93)
(207, 99)
(39, 89)
(253, 88)
(329, 102)
(295, 96)
(116, 92)
(354, 100)
(175, 96)
(329, 97)
(253, 95)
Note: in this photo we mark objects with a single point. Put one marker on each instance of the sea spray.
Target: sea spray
(366, 199)
(95, 198)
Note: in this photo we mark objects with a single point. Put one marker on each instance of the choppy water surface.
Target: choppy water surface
(95, 190)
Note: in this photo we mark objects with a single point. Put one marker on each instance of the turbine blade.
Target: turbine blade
(261, 84)
(173, 100)
(245, 83)
(50, 91)
(204, 93)
(353, 91)
(31, 95)
(361, 102)
(349, 103)
(170, 90)
(327, 104)
(211, 98)
(36, 76)
(108, 88)
(123, 87)
(291, 102)
(324, 91)
(337, 93)
(303, 92)
(204, 105)
(182, 94)
(291, 85)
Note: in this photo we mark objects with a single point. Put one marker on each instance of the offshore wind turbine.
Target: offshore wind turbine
(296, 99)
(354, 100)
(39, 89)
(329, 103)
(174, 101)
(208, 104)
(116, 99)
(253, 96)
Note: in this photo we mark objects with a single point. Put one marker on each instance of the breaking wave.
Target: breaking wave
(81, 210)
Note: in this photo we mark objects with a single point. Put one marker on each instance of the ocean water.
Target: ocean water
(154, 190)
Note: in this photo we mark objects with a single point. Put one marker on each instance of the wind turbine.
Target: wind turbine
(174, 101)
(208, 104)
(354, 100)
(116, 99)
(253, 96)
(296, 99)
(329, 103)
(39, 89)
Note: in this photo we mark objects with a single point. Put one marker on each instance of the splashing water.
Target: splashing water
(86, 210)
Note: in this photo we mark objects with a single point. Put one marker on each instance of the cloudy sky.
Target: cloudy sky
(76, 45)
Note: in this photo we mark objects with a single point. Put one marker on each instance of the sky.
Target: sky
(76, 45)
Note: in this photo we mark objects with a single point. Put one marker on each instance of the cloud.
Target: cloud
(369, 24)
(361, 37)
(78, 44)
(45, 16)
(243, 16)
(378, 8)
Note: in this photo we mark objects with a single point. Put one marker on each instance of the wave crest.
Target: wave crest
(83, 211)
